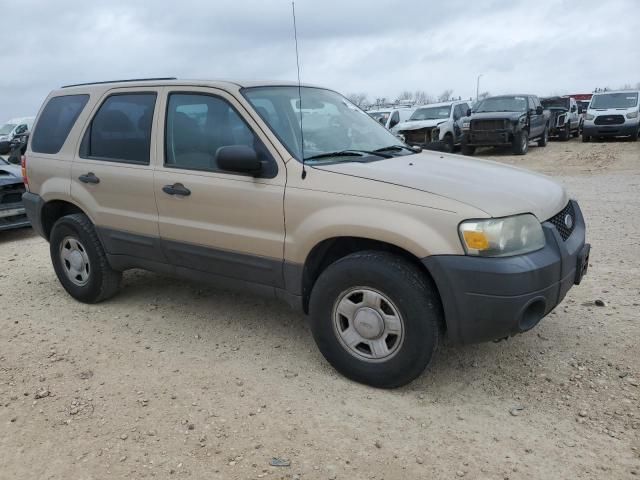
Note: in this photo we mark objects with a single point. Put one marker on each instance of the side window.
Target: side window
(55, 122)
(532, 104)
(197, 125)
(121, 129)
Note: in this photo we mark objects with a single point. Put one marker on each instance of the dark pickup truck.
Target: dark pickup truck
(513, 120)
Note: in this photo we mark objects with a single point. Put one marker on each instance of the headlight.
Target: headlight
(502, 237)
(401, 136)
(466, 125)
(589, 116)
(632, 115)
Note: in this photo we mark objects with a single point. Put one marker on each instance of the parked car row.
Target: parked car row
(515, 121)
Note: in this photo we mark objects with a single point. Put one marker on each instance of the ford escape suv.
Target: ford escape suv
(298, 194)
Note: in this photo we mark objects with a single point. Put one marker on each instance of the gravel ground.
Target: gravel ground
(170, 379)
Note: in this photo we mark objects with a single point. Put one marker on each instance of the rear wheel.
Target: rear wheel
(80, 261)
(376, 318)
(520, 144)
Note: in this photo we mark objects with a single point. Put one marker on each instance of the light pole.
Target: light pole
(478, 87)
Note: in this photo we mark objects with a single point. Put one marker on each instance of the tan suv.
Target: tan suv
(298, 194)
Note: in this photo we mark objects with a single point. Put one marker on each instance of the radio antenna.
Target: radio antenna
(295, 36)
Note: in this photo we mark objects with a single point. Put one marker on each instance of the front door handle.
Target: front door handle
(176, 189)
(89, 178)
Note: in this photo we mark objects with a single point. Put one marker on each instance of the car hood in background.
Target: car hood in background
(492, 115)
(496, 189)
(418, 124)
(9, 174)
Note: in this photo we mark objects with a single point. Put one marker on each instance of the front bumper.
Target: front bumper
(12, 213)
(490, 298)
(487, 138)
(622, 130)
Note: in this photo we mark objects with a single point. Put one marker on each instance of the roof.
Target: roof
(616, 91)
(168, 81)
(443, 104)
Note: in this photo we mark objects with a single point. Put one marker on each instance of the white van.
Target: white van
(613, 114)
(15, 126)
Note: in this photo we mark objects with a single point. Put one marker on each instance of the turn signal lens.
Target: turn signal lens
(475, 240)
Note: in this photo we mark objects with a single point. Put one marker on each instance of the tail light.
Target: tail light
(23, 164)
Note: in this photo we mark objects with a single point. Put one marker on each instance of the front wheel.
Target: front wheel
(376, 318)
(520, 144)
(566, 133)
(80, 261)
(448, 143)
(585, 138)
(544, 139)
(467, 149)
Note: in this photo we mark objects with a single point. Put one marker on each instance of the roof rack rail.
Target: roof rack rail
(120, 81)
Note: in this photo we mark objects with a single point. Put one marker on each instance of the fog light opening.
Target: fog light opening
(532, 314)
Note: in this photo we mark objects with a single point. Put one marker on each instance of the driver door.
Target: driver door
(210, 220)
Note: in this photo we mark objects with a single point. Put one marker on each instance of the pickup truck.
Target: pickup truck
(565, 120)
(513, 120)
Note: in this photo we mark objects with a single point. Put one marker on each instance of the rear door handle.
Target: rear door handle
(176, 189)
(89, 178)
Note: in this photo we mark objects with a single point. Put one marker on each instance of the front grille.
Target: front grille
(11, 194)
(488, 124)
(609, 120)
(559, 222)
(417, 137)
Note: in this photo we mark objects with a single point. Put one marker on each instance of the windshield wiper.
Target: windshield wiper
(347, 153)
(397, 148)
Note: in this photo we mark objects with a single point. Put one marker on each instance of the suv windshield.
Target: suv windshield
(615, 100)
(431, 113)
(502, 104)
(7, 128)
(332, 127)
(555, 103)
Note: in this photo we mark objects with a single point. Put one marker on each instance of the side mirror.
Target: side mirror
(539, 110)
(393, 123)
(468, 112)
(381, 121)
(238, 158)
(580, 110)
(573, 108)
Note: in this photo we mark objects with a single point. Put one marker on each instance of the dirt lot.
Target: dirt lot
(173, 380)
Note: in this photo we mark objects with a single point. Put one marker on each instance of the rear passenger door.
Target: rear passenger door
(112, 173)
(224, 223)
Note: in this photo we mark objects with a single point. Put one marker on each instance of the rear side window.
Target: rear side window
(121, 129)
(56, 121)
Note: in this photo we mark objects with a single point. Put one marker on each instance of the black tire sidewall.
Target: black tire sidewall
(519, 147)
(417, 307)
(69, 227)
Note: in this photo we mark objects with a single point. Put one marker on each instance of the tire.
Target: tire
(467, 149)
(585, 138)
(404, 289)
(85, 273)
(448, 143)
(576, 132)
(544, 139)
(520, 145)
(635, 135)
(566, 132)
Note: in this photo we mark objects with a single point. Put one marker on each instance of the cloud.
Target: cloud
(380, 48)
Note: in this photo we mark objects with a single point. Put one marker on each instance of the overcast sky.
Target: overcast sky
(375, 47)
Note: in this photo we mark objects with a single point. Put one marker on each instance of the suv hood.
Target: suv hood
(498, 190)
(418, 124)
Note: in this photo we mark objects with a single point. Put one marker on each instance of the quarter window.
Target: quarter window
(55, 122)
(121, 129)
(197, 125)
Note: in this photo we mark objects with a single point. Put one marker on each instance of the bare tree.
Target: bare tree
(358, 99)
(445, 96)
(420, 97)
(381, 101)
